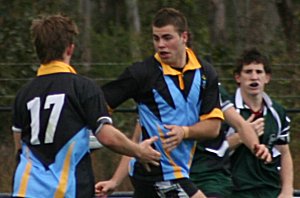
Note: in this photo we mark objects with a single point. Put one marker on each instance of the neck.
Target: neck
(253, 101)
(67, 60)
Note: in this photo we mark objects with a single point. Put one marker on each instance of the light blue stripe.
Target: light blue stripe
(45, 182)
(185, 113)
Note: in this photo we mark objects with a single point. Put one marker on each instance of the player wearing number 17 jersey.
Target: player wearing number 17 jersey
(52, 117)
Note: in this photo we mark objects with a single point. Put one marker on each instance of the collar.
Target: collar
(192, 64)
(241, 105)
(55, 67)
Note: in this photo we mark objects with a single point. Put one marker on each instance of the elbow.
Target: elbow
(107, 142)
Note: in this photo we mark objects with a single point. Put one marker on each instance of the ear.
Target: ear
(268, 78)
(237, 78)
(70, 50)
(185, 36)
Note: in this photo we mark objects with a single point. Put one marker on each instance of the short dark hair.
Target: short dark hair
(51, 35)
(252, 56)
(170, 16)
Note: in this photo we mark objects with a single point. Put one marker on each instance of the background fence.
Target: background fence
(283, 88)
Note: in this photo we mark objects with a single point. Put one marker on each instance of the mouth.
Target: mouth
(254, 85)
(164, 54)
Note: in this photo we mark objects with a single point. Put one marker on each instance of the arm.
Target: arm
(286, 172)
(206, 129)
(247, 133)
(118, 142)
(17, 141)
(107, 187)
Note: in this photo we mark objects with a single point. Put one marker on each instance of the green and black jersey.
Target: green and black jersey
(249, 172)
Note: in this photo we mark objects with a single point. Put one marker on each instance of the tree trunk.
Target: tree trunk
(86, 57)
(134, 22)
(219, 19)
(285, 12)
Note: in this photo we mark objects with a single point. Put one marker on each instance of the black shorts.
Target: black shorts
(163, 189)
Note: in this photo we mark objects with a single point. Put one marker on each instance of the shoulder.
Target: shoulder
(207, 67)
(144, 69)
(279, 108)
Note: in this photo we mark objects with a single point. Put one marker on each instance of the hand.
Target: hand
(148, 154)
(258, 125)
(174, 137)
(105, 188)
(262, 152)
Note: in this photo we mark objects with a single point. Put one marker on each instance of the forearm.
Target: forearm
(17, 141)
(286, 172)
(246, 133)
(203, 130)
(117, 141)
(121, 171)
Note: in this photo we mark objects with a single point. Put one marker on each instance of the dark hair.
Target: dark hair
(252, 56)
(51, 35)
(170, 16)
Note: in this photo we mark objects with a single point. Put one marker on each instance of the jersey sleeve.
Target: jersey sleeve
(16, 119)
(96, 111)
(284, 134)
(210, 107)
(118, 91)
(224, 98)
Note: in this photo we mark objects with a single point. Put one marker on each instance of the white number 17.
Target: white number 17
(34, 106)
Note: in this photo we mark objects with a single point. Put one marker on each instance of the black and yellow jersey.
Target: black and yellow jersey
(165, 95)
(54, 113)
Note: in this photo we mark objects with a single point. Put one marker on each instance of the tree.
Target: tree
(134, 24)
(285, 12)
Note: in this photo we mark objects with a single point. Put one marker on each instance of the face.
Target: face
(169, 45)
(252, 79)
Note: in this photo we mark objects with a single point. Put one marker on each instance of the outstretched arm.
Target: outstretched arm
(248, 132)
(115, 140)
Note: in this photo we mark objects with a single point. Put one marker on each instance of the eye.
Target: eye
(168, 37)
(259, 71)
(248, 71)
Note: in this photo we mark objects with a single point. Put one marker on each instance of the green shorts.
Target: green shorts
(213, 184)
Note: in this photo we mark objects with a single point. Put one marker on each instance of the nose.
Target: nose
(160, 43)
(254, 75)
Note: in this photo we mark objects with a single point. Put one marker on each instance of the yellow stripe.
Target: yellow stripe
(177, 169)
(63, 181)
(215, 113)
(181, 82)
(25, 177)
(55, 67)
(192, 154)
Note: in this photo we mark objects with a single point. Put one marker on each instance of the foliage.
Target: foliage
(110, 43)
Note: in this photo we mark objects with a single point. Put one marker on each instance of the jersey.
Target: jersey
(54, 114)
(249, 172)
(210, 169)
(165, 95)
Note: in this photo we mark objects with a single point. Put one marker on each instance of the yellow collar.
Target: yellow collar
(55, 67)
(192, 64)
